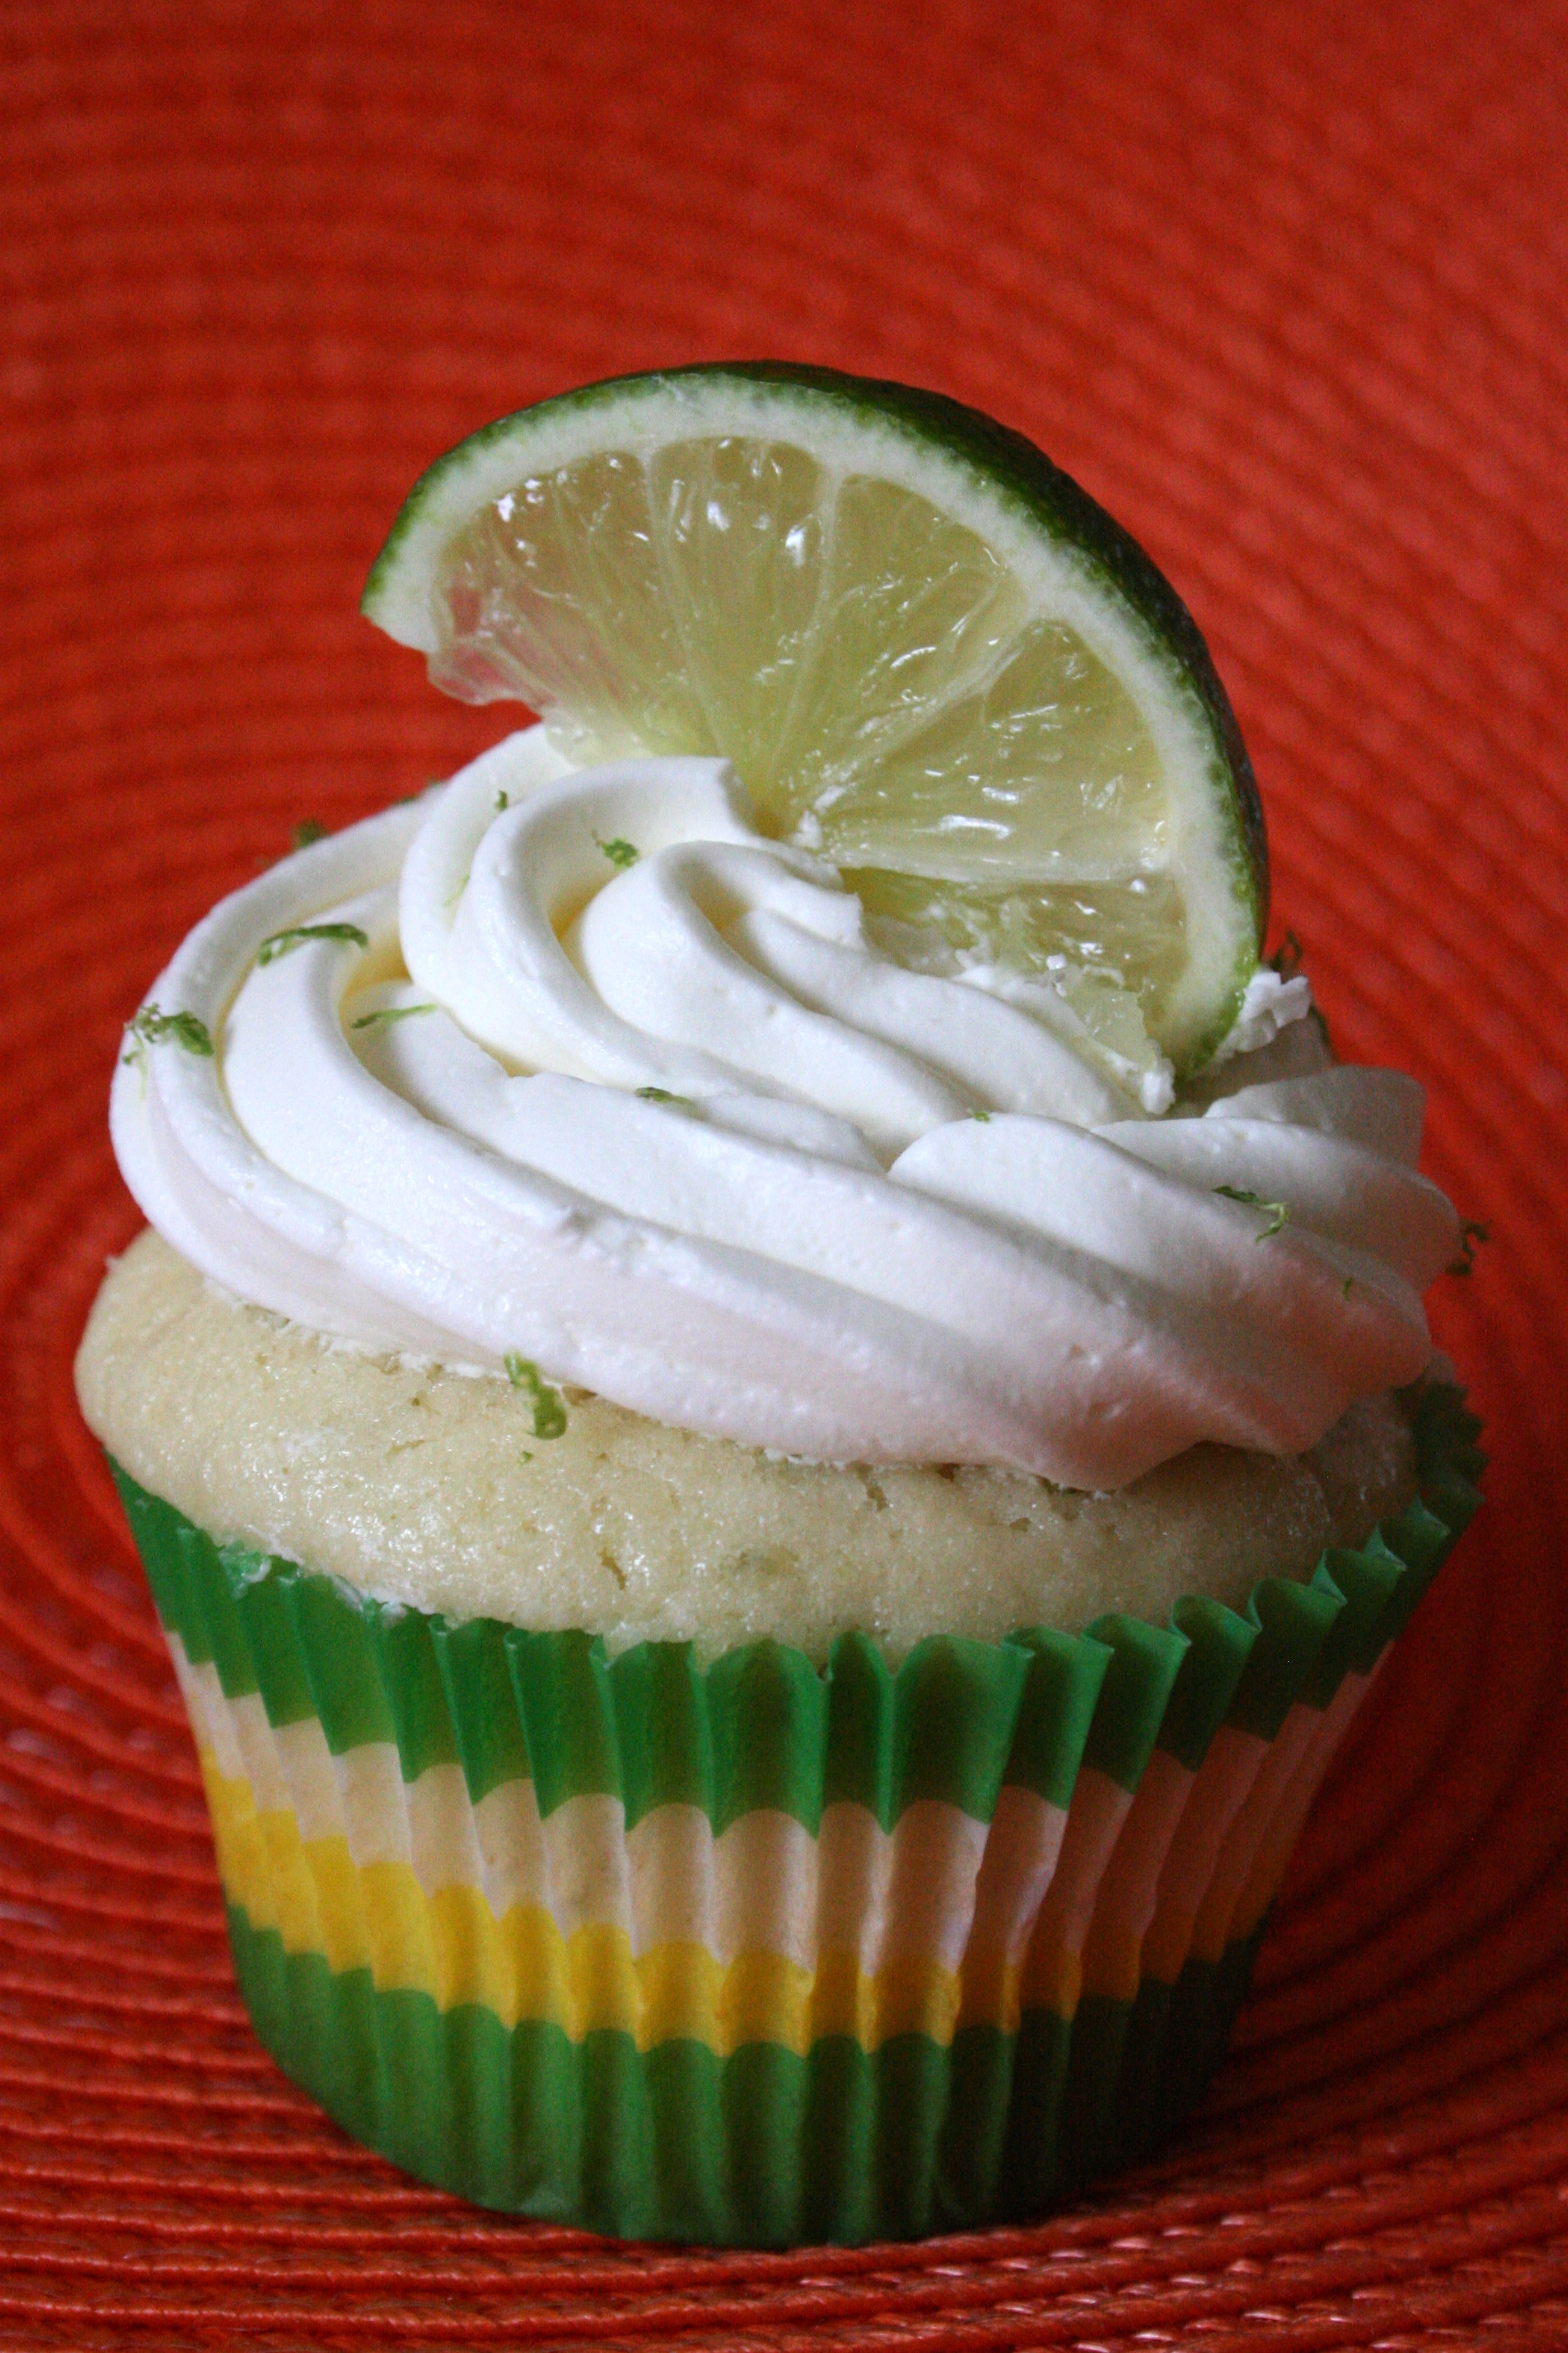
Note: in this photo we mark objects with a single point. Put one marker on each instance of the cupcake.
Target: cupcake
(777, 1402)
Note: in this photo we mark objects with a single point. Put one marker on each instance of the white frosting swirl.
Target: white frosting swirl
(673, 1128)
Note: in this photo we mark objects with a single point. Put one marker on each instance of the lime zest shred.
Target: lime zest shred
(981, 1115)
(152, 1027)
(663, 1095)
(1472, 1234)
(309, 829)
(1279, 1211)
(294, 936)
(619, 852)
(385, 1013)
(503, 801)
(549, 1405)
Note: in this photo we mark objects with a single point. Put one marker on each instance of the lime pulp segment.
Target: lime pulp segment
(929, 655)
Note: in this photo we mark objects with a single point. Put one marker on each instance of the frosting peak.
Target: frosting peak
(580, 1063)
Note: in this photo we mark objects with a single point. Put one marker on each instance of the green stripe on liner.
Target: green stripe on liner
(1445, 1435)
(1139, 1676)
(561, 1689)
(763, 2149)
(1172, 2043)
(476, 1679)
(1221, 1643)
(343, 1660)
(1454, 1499)
(1293, 1621)
(855, 1749)
(1451, 1464)
(1367, 1581)
(211, 1606)
(1423, 1542)
(770, 1730)
(154, 1525)
(410, 1675)
(1066, 1676)
(657, 1685)
(761, 1726)
(940, 1726)
(263, 1597)
(955, 1707)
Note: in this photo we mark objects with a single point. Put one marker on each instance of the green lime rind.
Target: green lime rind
(988, 468)
(1068, 513)
(762, 1726)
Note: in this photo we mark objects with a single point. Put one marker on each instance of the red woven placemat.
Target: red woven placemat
(1286, 286)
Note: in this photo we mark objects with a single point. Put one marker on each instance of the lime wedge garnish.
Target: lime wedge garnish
(929, 654)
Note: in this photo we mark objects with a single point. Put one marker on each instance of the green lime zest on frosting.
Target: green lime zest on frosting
(1472, 1233)
(663, 1095)
(385, 1013)
(309, 829)
(979, 1115)
(549, 1407)
(619, 853)
(284, 943)
(502, 802)
(1278, 1211)
(150, 1028)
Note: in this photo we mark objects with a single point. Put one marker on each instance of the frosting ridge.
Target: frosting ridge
(580, 1063)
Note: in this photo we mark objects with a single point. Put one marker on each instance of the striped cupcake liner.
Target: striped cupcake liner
(755, 1953)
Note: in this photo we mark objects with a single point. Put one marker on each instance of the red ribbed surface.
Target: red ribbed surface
(1286, 286)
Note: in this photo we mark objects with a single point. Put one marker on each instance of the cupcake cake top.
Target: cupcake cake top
(840, 1027)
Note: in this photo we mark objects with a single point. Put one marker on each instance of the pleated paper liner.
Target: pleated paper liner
(756, 1954)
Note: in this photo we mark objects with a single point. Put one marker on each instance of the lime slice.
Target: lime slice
(929, 654)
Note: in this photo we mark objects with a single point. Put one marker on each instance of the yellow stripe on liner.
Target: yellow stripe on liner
(451, 1946)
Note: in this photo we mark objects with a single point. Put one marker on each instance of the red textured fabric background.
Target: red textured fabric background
(1286, 286)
